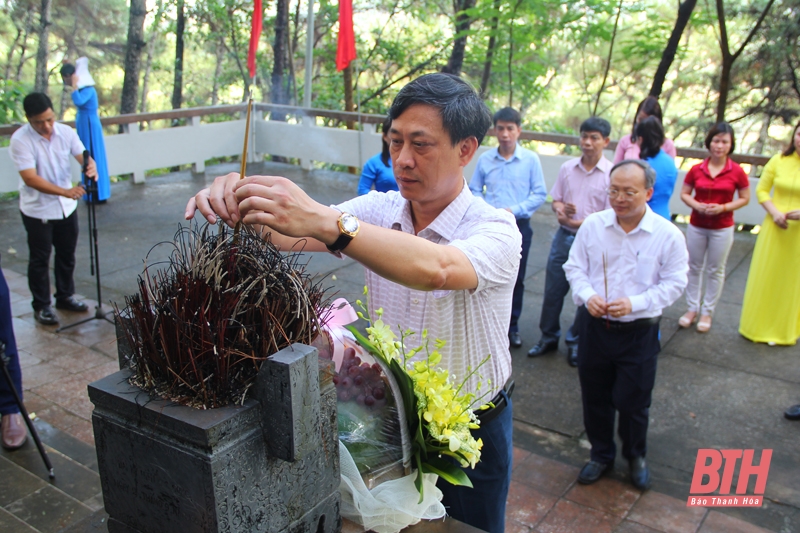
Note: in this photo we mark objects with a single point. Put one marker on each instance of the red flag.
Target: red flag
(255, 35)
(346, 51)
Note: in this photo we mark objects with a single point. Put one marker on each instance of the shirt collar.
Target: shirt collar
(646, 224)
(443, 225)
(39, 137)
(604, 165)
(704, 166)
(517, 154)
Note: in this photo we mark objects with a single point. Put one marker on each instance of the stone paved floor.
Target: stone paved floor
(712, 391)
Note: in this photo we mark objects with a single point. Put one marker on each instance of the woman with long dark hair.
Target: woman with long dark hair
(650, 138)
(378, 171)
(771, 307)
(627, 148)
(709, 235)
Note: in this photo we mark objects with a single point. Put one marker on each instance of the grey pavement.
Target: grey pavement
(714, 390)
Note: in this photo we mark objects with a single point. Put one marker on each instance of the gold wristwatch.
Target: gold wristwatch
(348, 228)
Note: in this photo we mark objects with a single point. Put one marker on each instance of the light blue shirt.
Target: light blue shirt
(516, 183)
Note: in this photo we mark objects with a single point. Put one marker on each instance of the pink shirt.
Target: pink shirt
(630, 150)
(474, 323)
(587, 190)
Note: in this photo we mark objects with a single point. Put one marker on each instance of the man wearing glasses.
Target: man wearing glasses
(626, 265)
(579, 191)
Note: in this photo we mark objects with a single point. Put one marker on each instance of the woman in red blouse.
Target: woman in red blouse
(709, 236)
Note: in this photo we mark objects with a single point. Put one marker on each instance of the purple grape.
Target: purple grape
(361, 399)
(369, 401)
(379, 393)
(358, 380)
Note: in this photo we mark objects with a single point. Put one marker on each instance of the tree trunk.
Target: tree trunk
(487, 64)
(24, 46)
(278, 93)
(151, 49)
(463, 22)
(133, 57)
(608, 61)
(668, 56)
(177, 85)
(218, 72)
(40, 83)
(728, 58)
(511, 54)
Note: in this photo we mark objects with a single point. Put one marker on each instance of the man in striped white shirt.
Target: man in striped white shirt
(436, 257)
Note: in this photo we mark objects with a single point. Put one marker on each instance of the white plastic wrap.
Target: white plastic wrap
(391, 506)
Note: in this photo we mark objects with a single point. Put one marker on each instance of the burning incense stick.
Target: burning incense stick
(605, 283)
(243, 168)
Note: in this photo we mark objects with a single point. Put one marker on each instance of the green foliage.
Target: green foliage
(548, 58)
(11, 95)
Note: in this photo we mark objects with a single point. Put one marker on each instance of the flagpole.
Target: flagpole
(309, 55)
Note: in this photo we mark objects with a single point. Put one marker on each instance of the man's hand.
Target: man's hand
(620, 307)
(75, 193)
(280, 204)
(570, 209)
(91, 169)
(218, 200)
(596, 306)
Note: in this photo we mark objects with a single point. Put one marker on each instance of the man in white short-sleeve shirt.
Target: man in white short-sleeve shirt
(436, 257)
(41, 151)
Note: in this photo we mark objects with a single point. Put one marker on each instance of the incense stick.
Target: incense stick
(605, 282)
(243, 168)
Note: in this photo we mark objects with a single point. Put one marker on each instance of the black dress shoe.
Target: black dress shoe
(640, 473)
(542, 348)
(592, 471)
(514, 340)
(793, 413)
(71, 304)
(46, 316)
(572, 354)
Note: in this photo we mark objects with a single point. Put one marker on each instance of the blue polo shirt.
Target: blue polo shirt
(516, 183)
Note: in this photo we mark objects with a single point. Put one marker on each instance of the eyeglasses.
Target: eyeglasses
(628, 195)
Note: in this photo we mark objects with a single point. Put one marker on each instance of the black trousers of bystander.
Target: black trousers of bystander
(617, 371)
(44, 235)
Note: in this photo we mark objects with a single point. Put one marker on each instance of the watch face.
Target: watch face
(349, 223)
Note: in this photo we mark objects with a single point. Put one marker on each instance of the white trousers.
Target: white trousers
(708, 254)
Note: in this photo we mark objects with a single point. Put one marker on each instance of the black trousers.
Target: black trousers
(61, 234)
(524, 225)
(617, 371)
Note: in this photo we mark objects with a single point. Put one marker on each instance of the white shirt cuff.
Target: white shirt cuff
(638, 303)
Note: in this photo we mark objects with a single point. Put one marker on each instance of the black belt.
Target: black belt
(500, 403)
(639, 323)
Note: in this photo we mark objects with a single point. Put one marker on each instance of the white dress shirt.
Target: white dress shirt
(649, 265)
(474, 323)
(50, 159)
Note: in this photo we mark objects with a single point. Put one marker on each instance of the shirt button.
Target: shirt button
(415, 300)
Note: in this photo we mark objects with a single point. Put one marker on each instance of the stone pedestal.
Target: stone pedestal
(271, 465)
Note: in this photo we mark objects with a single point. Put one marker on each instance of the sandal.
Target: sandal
(704, 324)
(687, 319)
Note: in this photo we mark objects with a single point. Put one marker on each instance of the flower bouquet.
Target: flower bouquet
(436, 418)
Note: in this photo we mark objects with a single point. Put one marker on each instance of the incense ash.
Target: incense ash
(200, 327)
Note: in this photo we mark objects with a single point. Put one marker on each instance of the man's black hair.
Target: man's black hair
(68, 69)
(507, 114)
(36, 104)
(600, 125)
(463, 113)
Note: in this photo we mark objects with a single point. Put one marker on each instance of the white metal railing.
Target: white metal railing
(135, 152)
